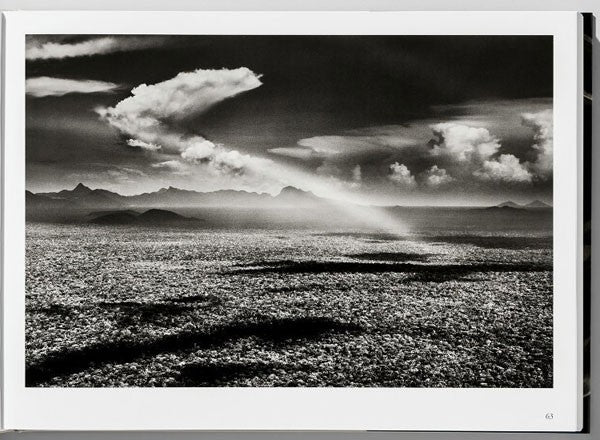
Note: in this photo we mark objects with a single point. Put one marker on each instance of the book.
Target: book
(294, 221)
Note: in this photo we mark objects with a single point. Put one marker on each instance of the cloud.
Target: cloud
(385, 138)
(542, 125)
(40, 49)
(189, 93)
(149, 116)
(42, 86)
(124, 174)
(476, 149)
(465, 149)
(435, 176)
(463, 143)
(295, 152)
(501, 117)
(199, 150)
(136, 143)
(400, 174)
(506, 168)
(174, 166)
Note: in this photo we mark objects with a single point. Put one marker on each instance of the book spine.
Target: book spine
(588, 32)
(2, 210)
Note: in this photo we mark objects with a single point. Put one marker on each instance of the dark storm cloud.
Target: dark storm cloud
(355, 110)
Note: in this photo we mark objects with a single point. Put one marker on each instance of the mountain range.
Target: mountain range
(82, 200)
(536, 204)
(79, 202)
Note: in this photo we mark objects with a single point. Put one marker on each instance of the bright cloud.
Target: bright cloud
(542, 126)
(147, 113)
(199, 150)
(42, 86)
(463, 143)
(435, 176)
(136, 143)
(185, 95)
(386, 138)
(400, 174)
(506, 168)
(478, 150)
(37, 49)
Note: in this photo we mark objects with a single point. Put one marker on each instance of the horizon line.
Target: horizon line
(523, 205)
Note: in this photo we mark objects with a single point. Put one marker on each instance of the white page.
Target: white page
(512, 409)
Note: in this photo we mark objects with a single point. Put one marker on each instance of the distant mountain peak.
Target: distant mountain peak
(509, 204)
(168, 189)
(81, 188)
(292, 190)
(537, 204)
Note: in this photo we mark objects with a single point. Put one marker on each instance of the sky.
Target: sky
(386, 120)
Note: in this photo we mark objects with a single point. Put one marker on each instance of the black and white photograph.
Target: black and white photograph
(289, 211)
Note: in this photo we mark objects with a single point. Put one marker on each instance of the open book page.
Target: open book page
(293, 221)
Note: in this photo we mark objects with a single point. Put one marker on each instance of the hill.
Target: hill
(508, 204)
(152, 217)
(292, 196)
(115, 218)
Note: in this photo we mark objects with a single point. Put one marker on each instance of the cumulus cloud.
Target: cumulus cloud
(40, 49)
(400, 174)
(199, 150)
(136, 143)
(435, 176)
(42, 86)
(463, 143)
(476, 149)
(148, 114)
(185, 95)
(542, 125)
(506, 168)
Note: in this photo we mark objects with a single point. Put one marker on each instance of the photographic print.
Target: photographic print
(289, 211)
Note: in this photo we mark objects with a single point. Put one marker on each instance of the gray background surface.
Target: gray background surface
(418, 5)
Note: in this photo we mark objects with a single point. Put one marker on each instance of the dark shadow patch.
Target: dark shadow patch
(73, 360)
(261, 263)
(452, 270)
(437, 277)
(202, 300)
(142, 307)
(132, 313)
(53, 310)
(367, 236)
(218, 374)
(391, 256)
(493, 242)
